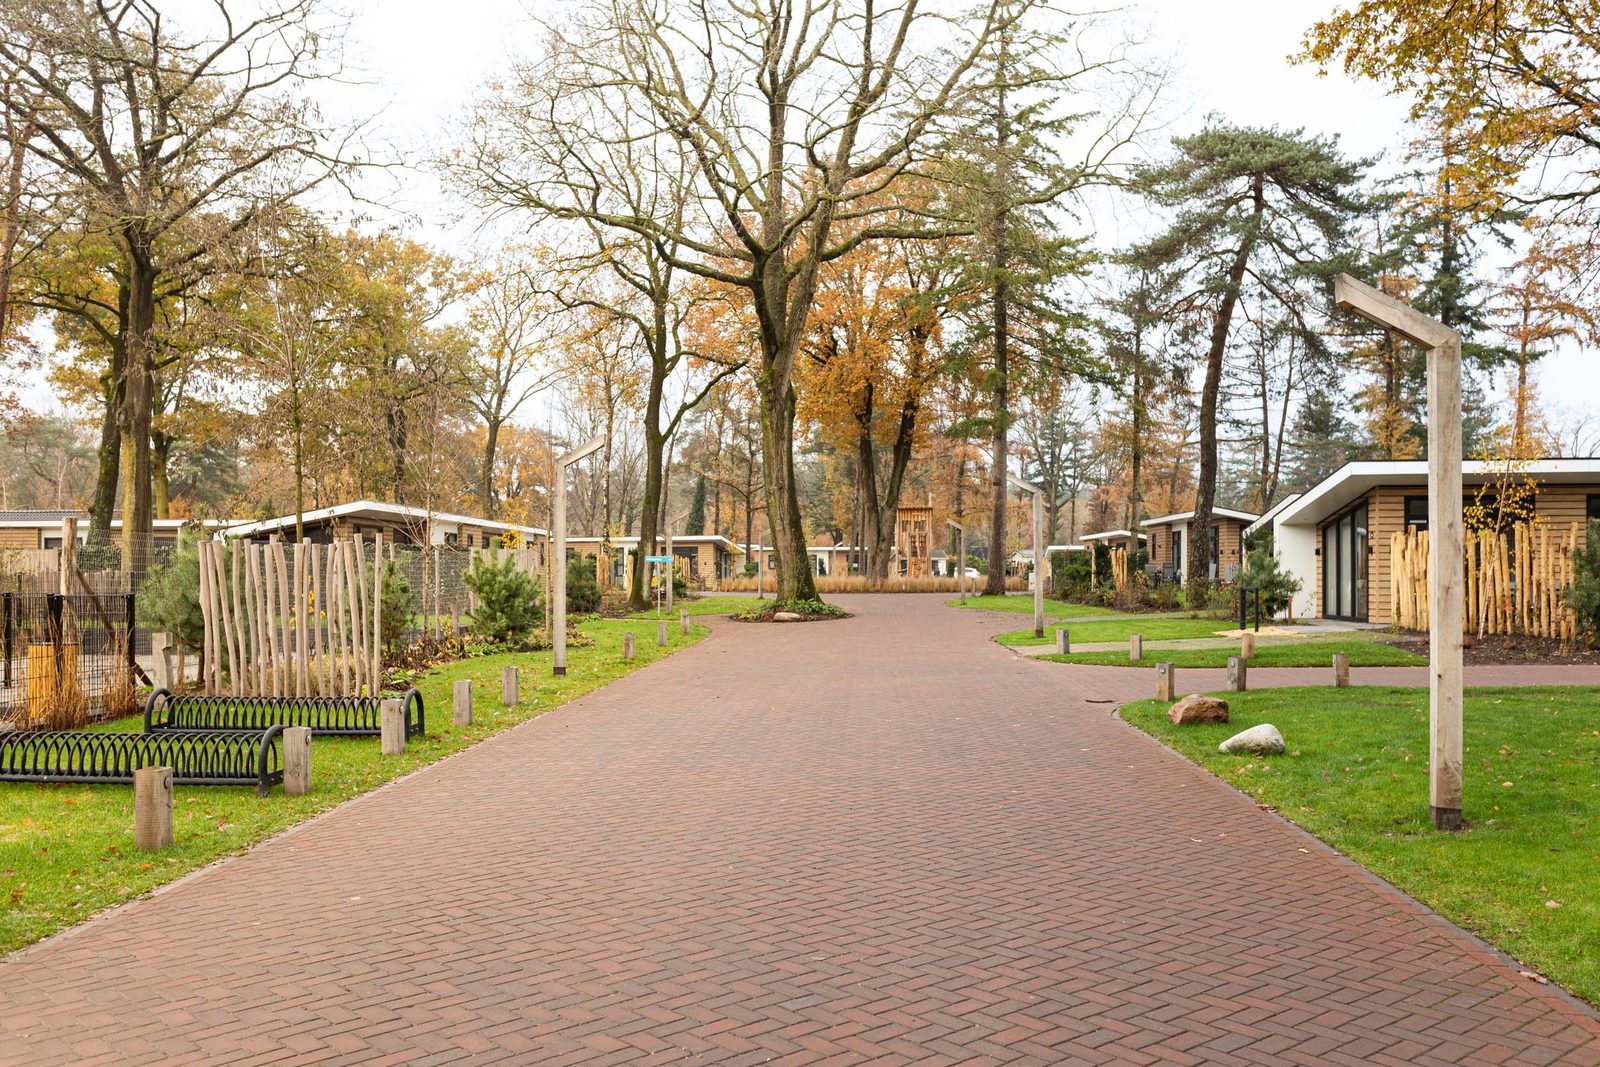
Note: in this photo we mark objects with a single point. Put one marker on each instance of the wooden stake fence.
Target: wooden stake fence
(300, 625)
(1514, 585)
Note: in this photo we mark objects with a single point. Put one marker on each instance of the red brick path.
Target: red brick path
(878, 839)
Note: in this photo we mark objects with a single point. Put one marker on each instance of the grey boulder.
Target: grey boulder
(1263, 740)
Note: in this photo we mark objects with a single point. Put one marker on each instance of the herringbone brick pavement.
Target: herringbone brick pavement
(883, 839)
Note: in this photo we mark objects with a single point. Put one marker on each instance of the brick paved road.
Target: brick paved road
(898, 842)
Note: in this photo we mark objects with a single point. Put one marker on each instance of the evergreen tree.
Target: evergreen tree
(1321, 441)
(1004, 158)
(695, 524)
(1259, 221)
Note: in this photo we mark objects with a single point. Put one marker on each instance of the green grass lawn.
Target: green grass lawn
(706, 605)
(1311, 652)
(1022, 603)
(66, 852)
(1523, 872)
(1153, 627)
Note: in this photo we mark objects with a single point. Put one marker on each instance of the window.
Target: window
(1592, 506)
(1344, 566)
(1177, 550)
(1417, 512)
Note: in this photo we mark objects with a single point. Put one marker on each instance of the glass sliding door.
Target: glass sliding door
(1344, 566)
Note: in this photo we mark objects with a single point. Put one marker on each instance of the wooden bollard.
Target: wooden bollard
(1063, 642)
(510, 687)
(392, 727)
(1237, 668)
(661, 633)
(461, 697)
(161, 652)
(1247, 646)
(297, 761)
(1166, 682)
(152, 808)
(1341, 669)
(1135, 647)
(455, 621)
(683, 621)
(627, 645)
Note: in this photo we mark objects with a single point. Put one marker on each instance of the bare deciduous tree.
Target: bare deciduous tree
(146, 128)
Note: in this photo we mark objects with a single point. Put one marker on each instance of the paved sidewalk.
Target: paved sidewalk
(878, 839)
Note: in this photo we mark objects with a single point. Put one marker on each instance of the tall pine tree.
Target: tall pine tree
(1259, 219)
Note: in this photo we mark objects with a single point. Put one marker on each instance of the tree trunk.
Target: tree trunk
(136, 410)
(109, 453)
(491, 444)
(651, 509)
(1140, 415)
(160, 455)
(793, 577)
(394, 418)
(1200, 531)
(995, 585)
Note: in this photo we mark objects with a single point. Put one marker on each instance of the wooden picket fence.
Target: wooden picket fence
(1513, 585)
(1119, 568)
(292, 620)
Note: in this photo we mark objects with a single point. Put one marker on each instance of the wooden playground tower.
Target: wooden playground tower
(913, 538)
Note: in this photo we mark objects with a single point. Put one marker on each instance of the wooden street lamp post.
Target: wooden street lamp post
(1445, 548)
(558, 548)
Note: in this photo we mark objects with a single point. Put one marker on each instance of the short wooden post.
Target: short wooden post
(461, 697)
(661, 633)
(627, 645)
(455, 622)
(392, 724)
(1166, 682)
(1238, 667)
(510, 687)
(1135, 647)
(1247, 646)
(297, 760)
(161, 653)
(152, 808)
(683, 621)
(1063, 642)
(1341, 669)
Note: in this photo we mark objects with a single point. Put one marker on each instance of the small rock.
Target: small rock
(1263, 740)
(1193, 709)
(788, 616)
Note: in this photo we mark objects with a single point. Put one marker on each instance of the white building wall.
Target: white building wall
(1297, 552)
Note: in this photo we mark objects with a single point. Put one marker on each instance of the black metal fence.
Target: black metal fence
(65, 660)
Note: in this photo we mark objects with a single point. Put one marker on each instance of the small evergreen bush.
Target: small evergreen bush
(1263, 569)
(398, 604)
(509, 601)
(169, 597)
(583, 591)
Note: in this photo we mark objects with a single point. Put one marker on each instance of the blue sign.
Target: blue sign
(658, 559)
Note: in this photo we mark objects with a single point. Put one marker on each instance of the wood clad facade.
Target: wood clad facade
(1230, 543)
(1557, 505)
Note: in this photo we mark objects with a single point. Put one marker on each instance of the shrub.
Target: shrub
(1263, 569)
(169, 598)
(398, 604)
(583, 591)
(749, 568)
(1584, 596)
(509, 602)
